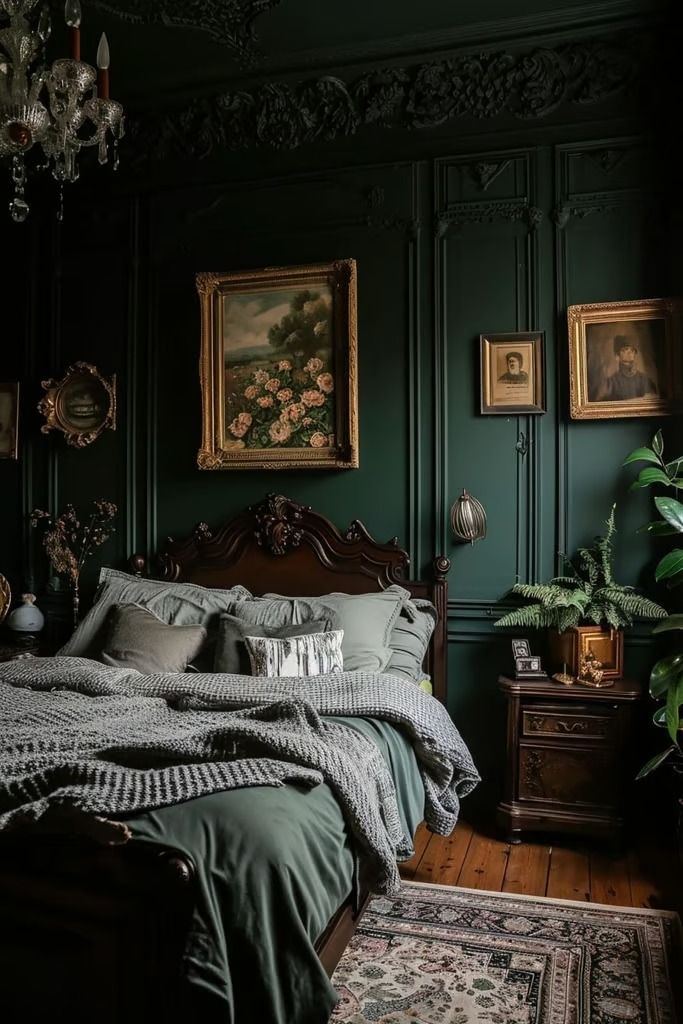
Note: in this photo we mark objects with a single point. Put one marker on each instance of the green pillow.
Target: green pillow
(367, 621)
(179, 604)
(137, 638)
(231, 653)
(410, 638)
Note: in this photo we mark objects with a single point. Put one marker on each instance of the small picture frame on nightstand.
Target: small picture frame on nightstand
(529, 668)
(520, 649)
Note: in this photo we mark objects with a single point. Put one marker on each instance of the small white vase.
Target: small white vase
(27, 618)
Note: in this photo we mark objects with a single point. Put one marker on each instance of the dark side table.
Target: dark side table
(570, 757)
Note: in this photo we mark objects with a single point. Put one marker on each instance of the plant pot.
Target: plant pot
(569, 648)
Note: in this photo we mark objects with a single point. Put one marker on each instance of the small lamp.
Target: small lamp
(468, 519)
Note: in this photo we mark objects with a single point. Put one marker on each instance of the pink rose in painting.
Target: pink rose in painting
(251, 391)
(318, 440)
(296, 411)
(313, 398)
(261, 376)
(325, 382)
(265, 402)
(238, 429)
(245, 418)
(284, 364)
(314, 365)
(306, 421)
(284, 395)
(273, 384)
(279, 431)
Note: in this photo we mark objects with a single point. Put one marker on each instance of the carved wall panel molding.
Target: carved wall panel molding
(527, 85)
(229, 21)
(486, 212)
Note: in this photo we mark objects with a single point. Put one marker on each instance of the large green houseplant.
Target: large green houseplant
(666, 677)
(587, 594)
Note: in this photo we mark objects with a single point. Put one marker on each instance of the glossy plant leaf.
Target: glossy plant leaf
(669, 623)
(671, 565)
(664, 674)
(674, 699)
(658, 528)
(673, 468)
(671, 510)
(641, 455)
(649, 476)
(658, 443)
(655, 762)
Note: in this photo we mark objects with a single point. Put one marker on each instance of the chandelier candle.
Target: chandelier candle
(72, 14)
(103, 68)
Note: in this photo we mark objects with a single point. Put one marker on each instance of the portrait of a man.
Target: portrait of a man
(624, 361)
(514, 372)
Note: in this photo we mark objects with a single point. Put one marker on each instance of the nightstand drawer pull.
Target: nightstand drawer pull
(542, 722)
(573, 727)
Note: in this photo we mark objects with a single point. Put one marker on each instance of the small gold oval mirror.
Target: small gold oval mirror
(82, 404)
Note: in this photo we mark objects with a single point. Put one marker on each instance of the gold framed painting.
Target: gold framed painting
(512, 373)
(278, 368)
(625, 359)
(9, 421)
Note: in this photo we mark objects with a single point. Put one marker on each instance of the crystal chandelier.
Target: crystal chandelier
(60, 108)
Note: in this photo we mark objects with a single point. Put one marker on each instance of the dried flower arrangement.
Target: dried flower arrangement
(69, 542)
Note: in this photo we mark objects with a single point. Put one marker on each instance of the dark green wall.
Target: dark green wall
(572, 214)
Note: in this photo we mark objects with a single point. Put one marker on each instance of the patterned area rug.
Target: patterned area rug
(440, 955)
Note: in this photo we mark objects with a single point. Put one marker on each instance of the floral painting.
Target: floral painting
(278, 368)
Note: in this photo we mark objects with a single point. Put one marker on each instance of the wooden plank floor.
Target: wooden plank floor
(645, 875)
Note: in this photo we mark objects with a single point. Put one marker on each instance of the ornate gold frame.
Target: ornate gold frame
(14, 453)
(340, 276)
(580, 316)
(53, 405)
(5, 597)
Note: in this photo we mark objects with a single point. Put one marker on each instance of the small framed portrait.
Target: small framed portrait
(512, 373)
(625, 359)
(530, 664)
(520, 649)
(9, 421)
(82, 404)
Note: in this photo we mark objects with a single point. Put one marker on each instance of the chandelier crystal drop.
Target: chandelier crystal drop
(59, 108)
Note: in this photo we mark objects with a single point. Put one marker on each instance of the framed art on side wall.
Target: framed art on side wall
(512, 373)
(9, 421)
(625, 359)
(278, 368)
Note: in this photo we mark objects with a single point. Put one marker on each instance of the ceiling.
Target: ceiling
(167, 49)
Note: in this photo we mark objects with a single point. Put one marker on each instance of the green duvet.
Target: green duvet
(273, 865)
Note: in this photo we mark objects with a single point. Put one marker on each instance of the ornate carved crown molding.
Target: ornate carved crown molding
(528, 85)
(229, 21)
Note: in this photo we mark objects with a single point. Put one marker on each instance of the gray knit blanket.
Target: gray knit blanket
(82, 743)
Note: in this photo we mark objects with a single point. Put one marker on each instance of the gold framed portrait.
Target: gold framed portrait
(278, 368)
(9, 420)
(512, 373)
(625, 359)
(81, 404)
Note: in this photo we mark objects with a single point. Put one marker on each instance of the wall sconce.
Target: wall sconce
(468, 519)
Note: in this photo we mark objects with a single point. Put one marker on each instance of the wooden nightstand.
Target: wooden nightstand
(570, 757)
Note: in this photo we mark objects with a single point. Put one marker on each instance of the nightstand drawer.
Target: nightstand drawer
(567, 775)
(567, 722)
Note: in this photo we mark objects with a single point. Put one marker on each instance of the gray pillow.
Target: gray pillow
(137, 638)
(410, 638)
(367, 621)
(231, 653)
(274, 610)
(180, 604)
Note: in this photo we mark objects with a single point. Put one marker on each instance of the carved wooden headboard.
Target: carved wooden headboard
(287, 548)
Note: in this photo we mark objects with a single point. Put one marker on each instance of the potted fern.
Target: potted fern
(586, 609)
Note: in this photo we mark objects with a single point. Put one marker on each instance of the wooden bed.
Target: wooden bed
(72, 910)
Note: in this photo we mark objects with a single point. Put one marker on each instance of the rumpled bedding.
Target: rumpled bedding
(103, 743)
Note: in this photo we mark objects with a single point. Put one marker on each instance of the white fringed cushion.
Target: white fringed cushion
(311, 655)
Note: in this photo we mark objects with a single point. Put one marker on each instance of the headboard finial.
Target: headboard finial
(277, 524)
